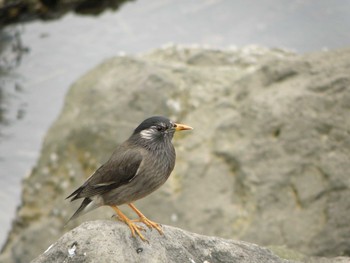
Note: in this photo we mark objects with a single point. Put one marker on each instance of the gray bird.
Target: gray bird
(136, 168)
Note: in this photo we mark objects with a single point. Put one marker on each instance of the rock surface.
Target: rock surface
(267, 162)
(107, 241)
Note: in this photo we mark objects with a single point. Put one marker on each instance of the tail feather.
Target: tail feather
(75, 194)
(86, 206)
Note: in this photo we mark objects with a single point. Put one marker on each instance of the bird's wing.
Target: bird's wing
(120, 169)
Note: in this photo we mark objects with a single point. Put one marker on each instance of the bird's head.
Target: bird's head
(158, 129)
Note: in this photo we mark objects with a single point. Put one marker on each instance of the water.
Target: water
(60, 51)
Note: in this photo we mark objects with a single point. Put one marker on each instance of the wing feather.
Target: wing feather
(120, 169)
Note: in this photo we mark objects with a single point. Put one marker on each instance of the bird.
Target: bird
(136, 168)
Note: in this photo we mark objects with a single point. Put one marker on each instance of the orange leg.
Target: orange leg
(135, 229)
(145, 220)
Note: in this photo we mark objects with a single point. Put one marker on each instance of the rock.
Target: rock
(107, 241)
(267, 162)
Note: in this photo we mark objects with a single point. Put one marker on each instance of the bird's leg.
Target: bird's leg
(145, 220)
(135, 229)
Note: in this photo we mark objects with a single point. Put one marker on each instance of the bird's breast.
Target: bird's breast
(159, 164)
(156, 169)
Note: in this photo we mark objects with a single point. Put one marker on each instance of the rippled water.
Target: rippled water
(59, 52)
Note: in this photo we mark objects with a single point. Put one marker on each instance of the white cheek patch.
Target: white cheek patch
(147, 134)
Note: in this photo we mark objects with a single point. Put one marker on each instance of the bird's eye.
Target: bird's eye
(160, 128)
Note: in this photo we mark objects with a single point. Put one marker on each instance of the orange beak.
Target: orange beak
(182, 127)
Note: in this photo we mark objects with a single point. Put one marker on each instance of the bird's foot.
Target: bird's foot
(150, 224)
(134, 228)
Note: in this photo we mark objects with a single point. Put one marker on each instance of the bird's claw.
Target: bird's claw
(150, 224)
(135, 229)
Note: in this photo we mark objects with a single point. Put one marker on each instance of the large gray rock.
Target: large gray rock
(107, 241)
(267, 162)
